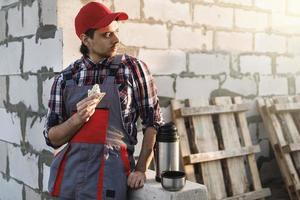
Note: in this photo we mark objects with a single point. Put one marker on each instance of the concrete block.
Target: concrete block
(20, 88)
(270, 43)
(201, 63)
(20, 163)
(2, 91)
(167, 114)
(49, 12)
(293, 7)
(46, 174)
(214, 16)
(195, 87)
(287, 64)
(285, 24)
(164, 86)
(34, 134)
(245, 86)
(151, 36)
(3, 157)
(10, 190)
(11, 127)
(37, 54)
(233, 41)
(12, 54)
(132, 8)
(269, 85)
(255, 64)
(252, 110)
(30, 20)
(164, 61)
(277, 6)
(2, 25)
(237, 2)
(47, 84)
(294, 45)
(251, 20)
(297, 83)
(7, 2)
(167, 10)
(191, 39)
(31, 194)
(154, 190)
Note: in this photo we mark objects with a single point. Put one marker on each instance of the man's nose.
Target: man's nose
(116, 38)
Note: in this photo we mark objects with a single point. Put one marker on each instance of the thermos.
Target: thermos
(166, 150)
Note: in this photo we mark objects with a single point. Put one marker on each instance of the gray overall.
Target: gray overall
(87, 169)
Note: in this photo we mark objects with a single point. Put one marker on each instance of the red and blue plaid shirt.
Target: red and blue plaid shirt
(138, 95)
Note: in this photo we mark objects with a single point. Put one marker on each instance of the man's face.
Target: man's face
(105, 40)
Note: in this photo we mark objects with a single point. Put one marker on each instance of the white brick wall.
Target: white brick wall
(20, 88)
(164, 86)
(156, 35)
(46, 91)
(277, 6)
(31, 194)
(10, 190)
(294, 45)
(233, 41)
(48, 52)
(197, 87)
(49, 9)
(245, 86)
(214, 16)
(167, 115)
(31, 20)
(297, 83)
(255, 64)
(167, 10)
(209, 63)
(29, 163)
(3, 156)
(7, 2)
(269, 85)
(34, 134)
(132, 8)
(238, 2)
(11, 128)
(2, 25)
(293, 7)
(11, 63)
(191, 39)
(270, 43)
(2, 90)
(251, 20)
(286, 24)
(288, 64)
(46, 174)
(164, 61)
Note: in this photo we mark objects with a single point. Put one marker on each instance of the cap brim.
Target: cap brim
(118, 16)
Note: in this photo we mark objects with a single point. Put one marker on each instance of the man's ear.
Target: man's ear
(84, 39)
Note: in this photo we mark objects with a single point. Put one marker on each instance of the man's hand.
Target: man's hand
(136, 179)
(86, 108)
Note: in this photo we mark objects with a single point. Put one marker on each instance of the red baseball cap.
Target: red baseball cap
(95, 15)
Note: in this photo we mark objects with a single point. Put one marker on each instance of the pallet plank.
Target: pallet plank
(206, 141)
(236, 167)
(259, 194)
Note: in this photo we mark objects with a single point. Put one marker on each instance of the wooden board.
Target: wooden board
(184, 140)
(258, 194)
(206, 141)
(230, 136)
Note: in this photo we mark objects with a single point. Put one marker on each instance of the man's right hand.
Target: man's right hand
(86, 108)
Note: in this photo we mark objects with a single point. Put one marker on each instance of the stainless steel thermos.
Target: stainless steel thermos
(166, 150)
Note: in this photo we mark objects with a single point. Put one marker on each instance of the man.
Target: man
(100, 132)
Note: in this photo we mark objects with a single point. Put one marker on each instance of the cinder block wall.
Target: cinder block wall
(199, 48)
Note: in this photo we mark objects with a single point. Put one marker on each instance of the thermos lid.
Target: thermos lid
(167, 133)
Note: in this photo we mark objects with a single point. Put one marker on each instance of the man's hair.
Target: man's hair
(83, 48)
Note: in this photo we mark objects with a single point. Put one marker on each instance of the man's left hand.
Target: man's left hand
(136, 179)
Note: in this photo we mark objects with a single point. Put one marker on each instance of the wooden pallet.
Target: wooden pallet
(218, 154)
(281, 118)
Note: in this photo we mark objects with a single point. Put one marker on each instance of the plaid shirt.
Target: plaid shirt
(138, 95)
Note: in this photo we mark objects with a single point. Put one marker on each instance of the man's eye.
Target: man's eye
(107, 35)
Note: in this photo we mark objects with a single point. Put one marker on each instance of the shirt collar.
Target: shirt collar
(90, 64)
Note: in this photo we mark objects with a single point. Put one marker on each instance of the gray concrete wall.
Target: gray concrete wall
(199, 48)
